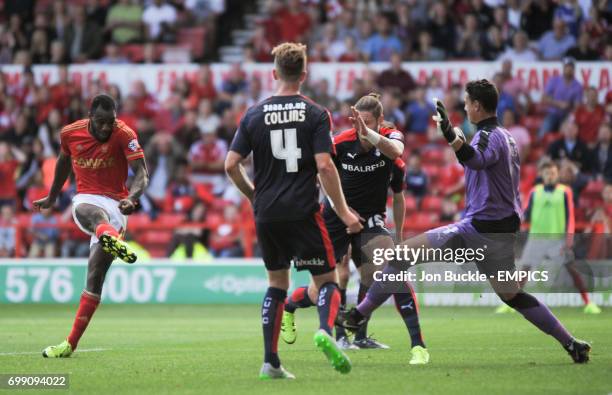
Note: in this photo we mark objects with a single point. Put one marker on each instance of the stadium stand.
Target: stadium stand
(186, 135)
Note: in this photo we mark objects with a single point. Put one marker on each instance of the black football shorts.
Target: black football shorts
(305, 243)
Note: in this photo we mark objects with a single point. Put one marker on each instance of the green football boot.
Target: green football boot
(62, 350)
(592, 308)
(288, 328)
(332, 351)
(117, 248)
(420, 356)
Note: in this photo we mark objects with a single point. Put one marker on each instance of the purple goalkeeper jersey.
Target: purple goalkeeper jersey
(492, 174)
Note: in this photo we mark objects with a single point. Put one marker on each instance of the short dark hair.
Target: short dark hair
(485, 93)
(103, 100)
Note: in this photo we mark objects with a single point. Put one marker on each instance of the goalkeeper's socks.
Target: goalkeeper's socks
(378, 293)
(87, 307)
(407, 307)
(105, 227)
(271, 317)
(540, 316)
(299, 299)
(362, 333)
(340, 331)
(328, 305)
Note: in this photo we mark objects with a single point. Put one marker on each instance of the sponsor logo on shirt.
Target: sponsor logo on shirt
(133, 145)
(363, 169)
(308, 262)
(93, 163)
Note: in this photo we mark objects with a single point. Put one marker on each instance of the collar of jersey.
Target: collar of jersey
(490, 122)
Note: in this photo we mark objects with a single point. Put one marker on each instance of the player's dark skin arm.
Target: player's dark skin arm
(141, 179)
(236, 172)
(63, 167)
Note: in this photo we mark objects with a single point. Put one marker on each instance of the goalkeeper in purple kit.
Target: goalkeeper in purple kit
(492, 218)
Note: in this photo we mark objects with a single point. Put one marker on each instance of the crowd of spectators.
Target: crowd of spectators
(44, 31)
(426, 30)
(77, 31)
(186, 137)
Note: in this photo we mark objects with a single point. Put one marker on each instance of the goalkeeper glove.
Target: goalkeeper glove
(450, 133)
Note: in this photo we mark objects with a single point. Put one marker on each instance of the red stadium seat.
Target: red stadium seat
(194, 37)
(532, 123)
(411, 204)
(593, 189)
(529, 173)
(433, 157)
(432, 171)
(420, 221)
(160, 237)
(134, 52)
(525, 188)
(138, 221)
(431, 203)
(535, 154)
(171, 220)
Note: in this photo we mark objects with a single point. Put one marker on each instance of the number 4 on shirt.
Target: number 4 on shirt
(289, 151)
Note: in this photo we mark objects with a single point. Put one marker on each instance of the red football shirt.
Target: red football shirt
(101, 168)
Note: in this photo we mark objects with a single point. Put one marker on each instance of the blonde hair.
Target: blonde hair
(370, 103)
(289, 60)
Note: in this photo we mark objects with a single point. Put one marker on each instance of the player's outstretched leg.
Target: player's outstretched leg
(87, 306)
(99, 263)
(271, 314)
(407, 307)
(299, 299)
(328, 305)
(540, 315)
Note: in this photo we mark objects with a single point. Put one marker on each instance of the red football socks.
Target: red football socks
(107, 228)
(87, 307)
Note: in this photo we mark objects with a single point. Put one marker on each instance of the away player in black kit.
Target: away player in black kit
(290, 137)
(366, 157)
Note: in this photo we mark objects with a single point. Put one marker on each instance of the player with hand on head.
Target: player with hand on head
(367, 157)
(290, 138)
(98, 149)
(492, 217)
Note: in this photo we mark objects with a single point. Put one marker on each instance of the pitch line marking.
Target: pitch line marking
(2, 354)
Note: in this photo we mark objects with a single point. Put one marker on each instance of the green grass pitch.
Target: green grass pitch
(151, 349)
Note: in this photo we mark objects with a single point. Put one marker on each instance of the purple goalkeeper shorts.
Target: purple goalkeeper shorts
(498, 247)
